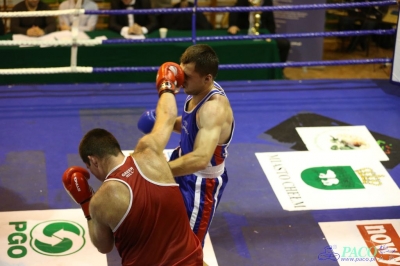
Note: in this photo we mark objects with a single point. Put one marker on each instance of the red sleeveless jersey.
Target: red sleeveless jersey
(154, 229)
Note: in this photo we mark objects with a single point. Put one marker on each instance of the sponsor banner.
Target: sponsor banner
(47, 237)
(55, 237)
(285, 134)
(305, 180)
(373, 242)
(341, 138)
(208, 250)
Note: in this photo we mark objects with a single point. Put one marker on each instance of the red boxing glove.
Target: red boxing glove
(170, 78)
(75, 180)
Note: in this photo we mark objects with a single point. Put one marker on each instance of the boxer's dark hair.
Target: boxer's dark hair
(205, 59)
(98, 142)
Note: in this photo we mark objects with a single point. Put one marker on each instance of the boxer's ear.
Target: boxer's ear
(208, 78)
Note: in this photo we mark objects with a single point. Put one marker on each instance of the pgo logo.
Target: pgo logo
(57, 238)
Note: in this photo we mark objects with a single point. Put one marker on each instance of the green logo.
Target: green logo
(57, 238)
(332, 178)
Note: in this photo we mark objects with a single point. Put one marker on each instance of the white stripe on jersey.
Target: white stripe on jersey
(217, 85)
(196, 204)
(219, 88)
(130, 201)
(217, 192)
(215, 200)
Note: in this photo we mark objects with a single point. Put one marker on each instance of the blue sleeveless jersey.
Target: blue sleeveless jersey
(201, 193)
(190, 129)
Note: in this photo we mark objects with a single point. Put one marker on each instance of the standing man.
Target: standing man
(242, 21)
(206, 127)
(139, 206)
(183, 21)
(32, 26)
(367, 18)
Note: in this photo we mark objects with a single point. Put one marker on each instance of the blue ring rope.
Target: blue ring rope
(238, 9)
(195, 9)
(267, 36)
(255, 66)
(194, 22)
(246, 37)
(253, 37)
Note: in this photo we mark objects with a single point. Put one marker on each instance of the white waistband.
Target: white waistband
(211, 171)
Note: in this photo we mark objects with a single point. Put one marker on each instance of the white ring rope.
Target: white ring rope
(74, 43)
(44, 13)
(91, 42)
(46, 70)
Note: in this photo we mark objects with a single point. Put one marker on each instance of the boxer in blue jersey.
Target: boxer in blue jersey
(206, 127)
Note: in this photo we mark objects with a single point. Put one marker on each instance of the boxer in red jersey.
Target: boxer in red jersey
(139, 206)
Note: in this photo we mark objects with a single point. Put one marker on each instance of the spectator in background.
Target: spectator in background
(366, 18)
(2, 28)
(86, 22)
(132, 24)
(162, 3)
(241, 21)
(32, 26)
(183, 21)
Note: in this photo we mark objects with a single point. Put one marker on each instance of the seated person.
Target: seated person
(360, 19)
(86, 22)
(162, 3)
(2, 28)
(132, 23)
(240, 21)
(183, 21)
(32, 26)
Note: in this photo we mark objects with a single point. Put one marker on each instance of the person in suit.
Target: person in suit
(367, 18)
(32, 26)
(2, 28)
(183, 21)
(132, 24)
(241, 20)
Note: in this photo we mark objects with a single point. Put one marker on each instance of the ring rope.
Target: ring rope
(191, 10)
(256, 65)
(51, 43)
(75, 42)
(298, 35)
(241, 9)
(193, 22)
(46, 70)
(58, 70)
(43, 13)
(94, 42)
